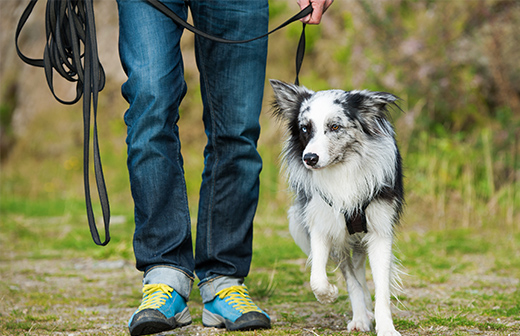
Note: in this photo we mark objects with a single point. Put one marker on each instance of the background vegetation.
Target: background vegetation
(453, 63)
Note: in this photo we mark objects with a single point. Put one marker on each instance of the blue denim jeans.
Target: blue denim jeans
(232, 80)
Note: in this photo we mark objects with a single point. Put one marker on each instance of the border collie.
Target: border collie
(344, 167)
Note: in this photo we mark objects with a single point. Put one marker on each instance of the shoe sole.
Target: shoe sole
(156, 323)
(248, 321)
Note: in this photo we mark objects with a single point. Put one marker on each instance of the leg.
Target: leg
(232, 83)
(324, 291)
(354, 272)
(154, 90)
(379, 242)
(321, 221)
(297, 226)
(150, 54)
(359, 262)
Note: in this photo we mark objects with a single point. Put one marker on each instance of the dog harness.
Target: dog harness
(356, 222)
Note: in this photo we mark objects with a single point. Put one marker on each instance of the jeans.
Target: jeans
(232, 80)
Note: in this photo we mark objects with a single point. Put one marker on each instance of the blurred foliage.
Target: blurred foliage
(7, 107)
(453, 63)
(455, 66)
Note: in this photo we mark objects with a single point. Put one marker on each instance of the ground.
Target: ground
(96, 297)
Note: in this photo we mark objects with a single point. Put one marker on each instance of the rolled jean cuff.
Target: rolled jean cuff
(209, 288)
(173, 277)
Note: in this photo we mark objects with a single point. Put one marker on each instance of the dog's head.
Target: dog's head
(328, 127)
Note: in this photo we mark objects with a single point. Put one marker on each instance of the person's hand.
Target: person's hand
(318, 8)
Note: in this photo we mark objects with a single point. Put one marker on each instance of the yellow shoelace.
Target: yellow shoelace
(154, 296)
(238, 297)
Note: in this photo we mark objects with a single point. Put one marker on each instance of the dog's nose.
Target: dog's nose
(311, 159)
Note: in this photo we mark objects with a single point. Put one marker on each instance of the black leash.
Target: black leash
(300, 52)
(70, 30)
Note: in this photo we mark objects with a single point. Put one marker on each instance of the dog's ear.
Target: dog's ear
(288, 98)
(372, 110)
(380, 100)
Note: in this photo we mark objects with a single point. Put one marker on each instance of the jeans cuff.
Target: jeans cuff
(173, 277)
(209, 288)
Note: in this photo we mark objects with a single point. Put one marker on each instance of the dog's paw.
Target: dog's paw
(386, 330)
(326, 294)
(361, 321)
(362, 325)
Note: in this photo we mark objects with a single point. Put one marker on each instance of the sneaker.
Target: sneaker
(162, 309)
(233, 309)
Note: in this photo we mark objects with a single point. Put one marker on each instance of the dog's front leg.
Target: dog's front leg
(381, 258)
(324, 291)
(354, 271)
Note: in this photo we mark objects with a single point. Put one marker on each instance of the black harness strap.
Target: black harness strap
(69, 24)
(355, 222)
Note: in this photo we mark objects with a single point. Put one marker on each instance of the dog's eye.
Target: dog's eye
(304, 129)
(334, 127)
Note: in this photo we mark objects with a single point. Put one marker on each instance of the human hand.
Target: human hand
(318, 8)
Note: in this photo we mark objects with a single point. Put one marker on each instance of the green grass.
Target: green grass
(457, 281)
(459, 255)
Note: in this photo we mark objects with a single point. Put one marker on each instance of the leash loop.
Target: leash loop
(68, 25)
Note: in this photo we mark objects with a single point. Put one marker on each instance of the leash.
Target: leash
(70, 30)
(300, 51)
(69, 25)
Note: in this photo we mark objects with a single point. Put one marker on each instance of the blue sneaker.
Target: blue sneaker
(162, 309)
(233, 309)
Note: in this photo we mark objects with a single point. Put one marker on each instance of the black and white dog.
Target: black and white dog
(343, 164)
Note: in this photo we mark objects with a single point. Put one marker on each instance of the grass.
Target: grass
(459, 281)
(458, 244)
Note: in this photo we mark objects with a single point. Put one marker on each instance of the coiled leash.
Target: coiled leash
(71, 51)
(70, 30)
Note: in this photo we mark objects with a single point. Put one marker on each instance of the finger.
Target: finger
(318, 8)
(303, 4)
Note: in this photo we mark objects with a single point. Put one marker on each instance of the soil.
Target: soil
(89, 297)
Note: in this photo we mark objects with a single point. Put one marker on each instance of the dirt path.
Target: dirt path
(88, 297)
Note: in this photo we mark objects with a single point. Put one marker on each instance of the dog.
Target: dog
(344, 167)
